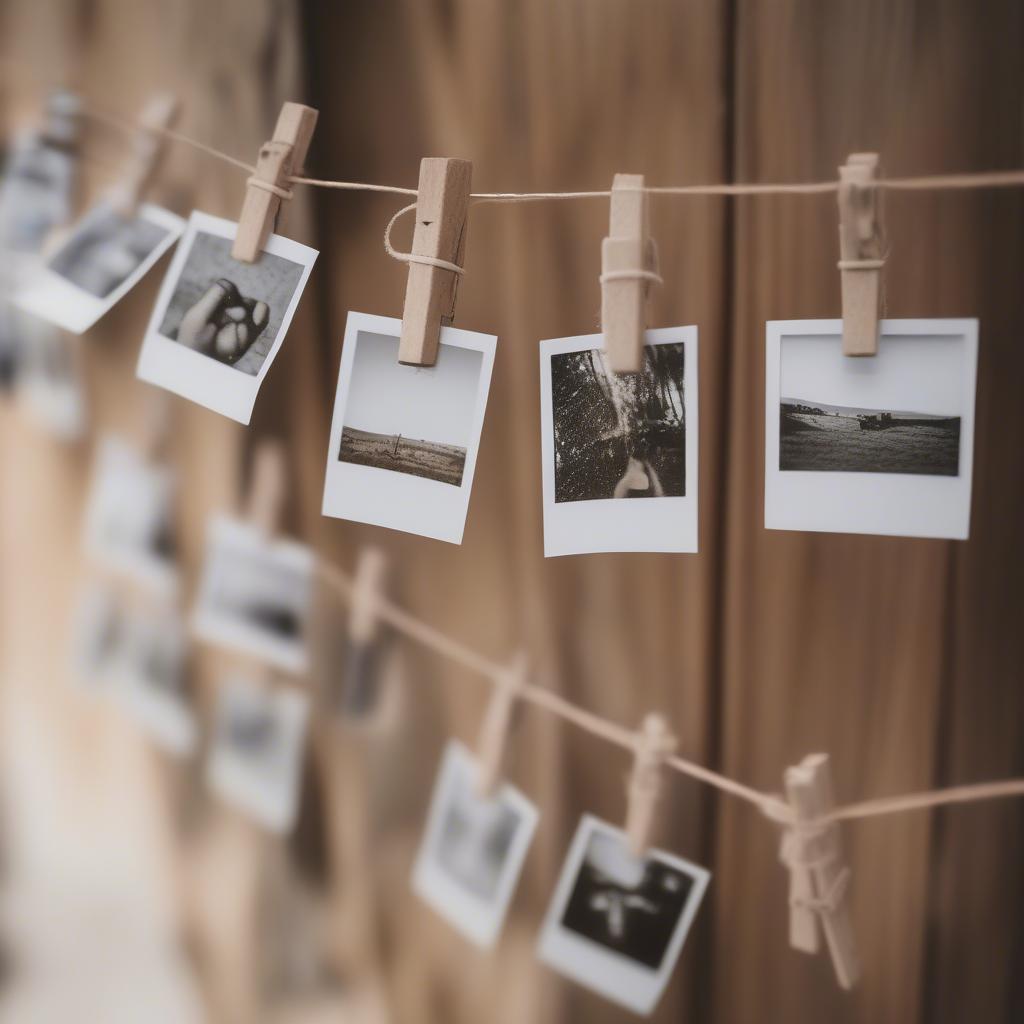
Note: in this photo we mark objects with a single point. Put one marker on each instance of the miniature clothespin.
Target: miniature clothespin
(861, 253)
(496, 725)
(159, 114)
(654, 743)
(629, 263)
(279, 159)
(266, 487)
(438, 251)
(367, 591)
(818, 874)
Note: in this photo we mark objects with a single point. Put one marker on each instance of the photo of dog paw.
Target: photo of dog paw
(223, 323)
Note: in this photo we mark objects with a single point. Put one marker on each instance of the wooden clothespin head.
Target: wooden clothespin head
(654, 743)
(497, 724)
(629, 265)
(267, 487)
(368, 589)
(157, 116)
(818, 874)
(861, 253)
(437, 256)
(279, 159)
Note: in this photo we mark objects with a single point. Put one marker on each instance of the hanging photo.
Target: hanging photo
(877, 444)
(129, 517)
(257, 750)
(218, 323)
(255, 595)
(473, 849)
(404, 439)
(97, 640)
(105, 255)
(50, 380)
(617, 923)
(606, 437)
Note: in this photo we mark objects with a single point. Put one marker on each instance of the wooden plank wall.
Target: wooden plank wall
(900, 657)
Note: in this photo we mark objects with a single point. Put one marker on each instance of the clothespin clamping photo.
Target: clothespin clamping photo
(653, 745)
(148, 146)
(861, 253)
(818, 876)
(497, 724)
(629, 265)
(437, 257)
(267, 487)
(280, 158)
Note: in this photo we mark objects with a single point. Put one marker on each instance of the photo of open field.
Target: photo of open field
(430, 459)
(822, 438)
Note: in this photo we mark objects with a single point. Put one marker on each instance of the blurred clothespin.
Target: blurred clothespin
(861, 253)
(629, 264)
(266, 487)
(436, 259)
(148, 146)
(367, 592)
(279, 159)
(653, 745)
(497, 723)
(818, 874)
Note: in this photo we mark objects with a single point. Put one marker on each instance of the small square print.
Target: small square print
(105, 255)
(617, 923)
(219, 323)
(473, 849)
(129, 517)
(606, 437)
(255, 595)
(881, 444)
(404, 439)
(257, 750)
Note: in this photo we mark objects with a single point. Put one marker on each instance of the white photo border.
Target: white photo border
(477, 919)
(887, 504)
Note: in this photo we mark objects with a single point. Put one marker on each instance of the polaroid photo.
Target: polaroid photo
(255, 595)
(617, 923)
(218, 324)
(607, 436)
(102, 258)
(257, 751)
(404, 439)
(473, 849)
(880, 444)
(129, 517)
(97, 641)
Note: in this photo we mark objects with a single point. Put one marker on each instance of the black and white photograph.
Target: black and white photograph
(103, 257)
(404, 439)
(219, 323)
(129, 517)
(878, 444)
(255, 595)
(617, 923)
(257, 750)
(620, 450)
(473, 849)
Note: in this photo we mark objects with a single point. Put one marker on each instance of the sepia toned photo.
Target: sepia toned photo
(218, 322)
(255, 595)
(617, 923)
(105, 255)
(404, 438)
(608, 437)
(473, 849)
(877, 444)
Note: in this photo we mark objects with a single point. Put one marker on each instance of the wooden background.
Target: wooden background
(899, 657)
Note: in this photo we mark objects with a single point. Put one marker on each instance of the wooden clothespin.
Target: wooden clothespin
(159, 114)
(818, 874)
(496, 725)
(267, 487)
(279, 159)
(367, 591)
(654, 743)
(861, 253)
(629, 264)
(438, 251)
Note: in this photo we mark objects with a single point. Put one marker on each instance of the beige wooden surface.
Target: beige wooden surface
(901, 658)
